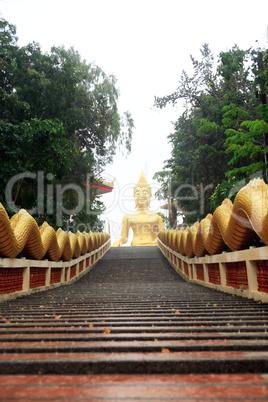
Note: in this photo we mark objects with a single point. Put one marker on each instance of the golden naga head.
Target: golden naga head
(142, 192)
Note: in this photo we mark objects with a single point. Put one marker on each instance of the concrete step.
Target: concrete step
(190, 388)
(133, 314)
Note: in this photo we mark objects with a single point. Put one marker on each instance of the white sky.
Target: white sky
(146, 44)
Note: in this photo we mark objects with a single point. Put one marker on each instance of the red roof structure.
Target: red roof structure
(103, 187)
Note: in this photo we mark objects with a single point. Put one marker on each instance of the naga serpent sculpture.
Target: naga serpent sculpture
(22, 234)
(233, 225)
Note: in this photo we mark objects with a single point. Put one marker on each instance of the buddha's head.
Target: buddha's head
(142, 193)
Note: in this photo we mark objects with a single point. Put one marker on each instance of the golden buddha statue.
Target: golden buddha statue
(144, 223)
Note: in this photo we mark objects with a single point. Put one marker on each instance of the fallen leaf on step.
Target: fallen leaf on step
(165, 350)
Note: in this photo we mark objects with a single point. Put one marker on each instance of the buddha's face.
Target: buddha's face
(142, 197)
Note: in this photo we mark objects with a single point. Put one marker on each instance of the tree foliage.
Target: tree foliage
(221, 136)
(58, 114)
(246, 143)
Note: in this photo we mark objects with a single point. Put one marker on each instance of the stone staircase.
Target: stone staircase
(133, 329)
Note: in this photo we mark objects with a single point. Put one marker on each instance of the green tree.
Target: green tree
(197, 143)
(9, 101)
(60, 85)
(24, 148)
(246, 143)
(245, 125)
(78, 100)
(199, 160)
